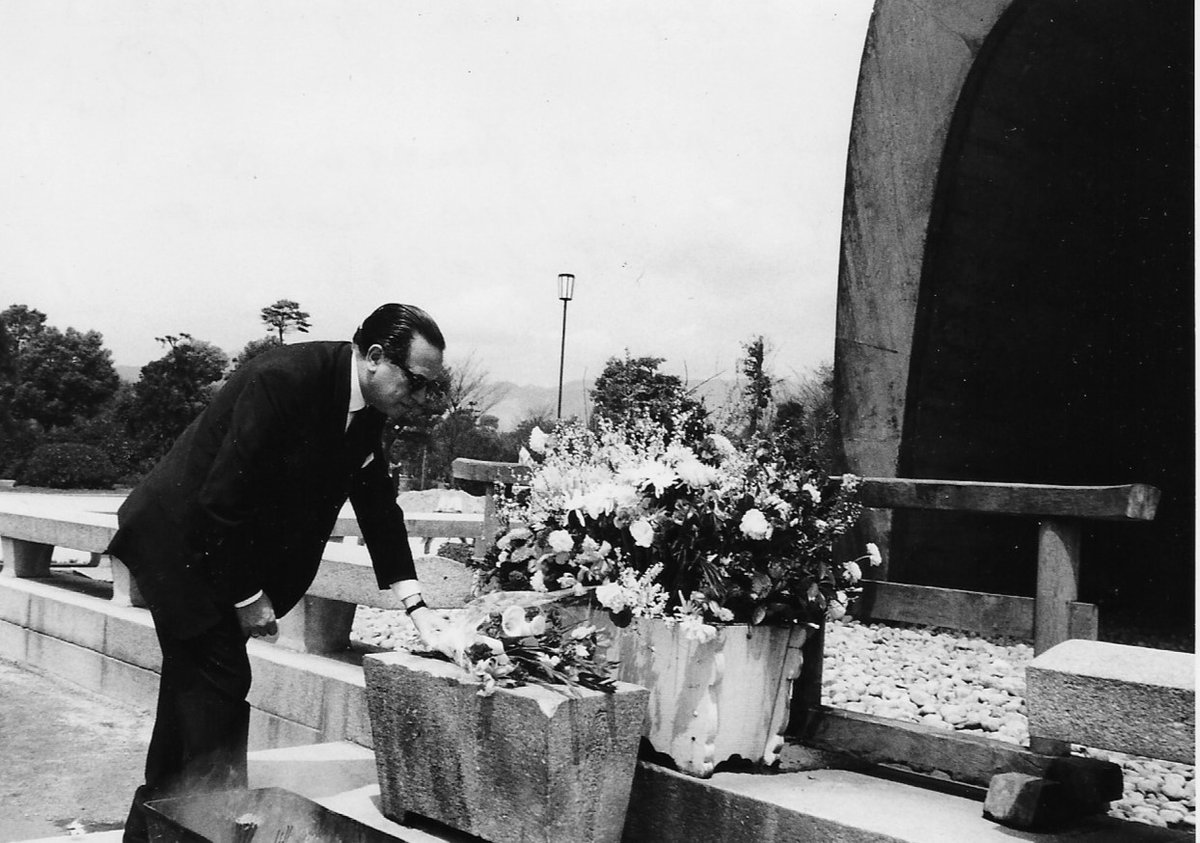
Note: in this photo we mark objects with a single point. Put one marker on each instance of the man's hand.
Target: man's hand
(429, 627)
(258, 618)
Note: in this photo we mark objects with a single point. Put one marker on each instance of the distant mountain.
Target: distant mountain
(521, 402)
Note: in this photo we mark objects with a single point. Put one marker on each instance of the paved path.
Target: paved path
(71, 758)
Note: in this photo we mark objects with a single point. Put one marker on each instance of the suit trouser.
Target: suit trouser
(200, 728)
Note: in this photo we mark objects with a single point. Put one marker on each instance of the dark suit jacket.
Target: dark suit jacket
(248, 495)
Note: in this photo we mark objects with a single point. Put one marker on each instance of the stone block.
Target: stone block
(1021, 801)
(1087, 780)
(1114, 696)
(25, 558)
(123, 681)
(125, 587)
(14, 604)
(67, 618)
(317, 625)
(69, 661)
(14, 642)
(129, 636)
(287, 693)
(525, 764)
(269, 731)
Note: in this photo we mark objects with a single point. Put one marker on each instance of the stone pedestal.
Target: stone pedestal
(525, 764)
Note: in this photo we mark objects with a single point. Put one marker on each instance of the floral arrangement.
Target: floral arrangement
(502, 645)
(695, 533)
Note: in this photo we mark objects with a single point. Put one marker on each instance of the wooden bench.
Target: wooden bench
(1053, 615)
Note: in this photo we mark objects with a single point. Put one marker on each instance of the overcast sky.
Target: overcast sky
(174, 167)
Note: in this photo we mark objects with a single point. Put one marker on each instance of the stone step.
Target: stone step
(1115, 696)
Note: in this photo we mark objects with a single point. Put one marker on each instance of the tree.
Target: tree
(633, 387)
(173, 390)
(468, 385)
(23, 324)
(759, 384)
(284, 316)
(252, 349)
(806, 423)
(62, 376)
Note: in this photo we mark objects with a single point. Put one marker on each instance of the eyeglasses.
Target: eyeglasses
(432, 387)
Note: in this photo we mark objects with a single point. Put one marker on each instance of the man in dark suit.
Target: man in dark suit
(226, 533)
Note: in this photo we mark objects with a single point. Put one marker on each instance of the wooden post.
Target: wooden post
(1057, 581)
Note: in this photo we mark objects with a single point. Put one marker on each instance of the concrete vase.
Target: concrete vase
(729, 697)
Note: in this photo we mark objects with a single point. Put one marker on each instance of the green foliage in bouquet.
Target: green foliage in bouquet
(699, 533)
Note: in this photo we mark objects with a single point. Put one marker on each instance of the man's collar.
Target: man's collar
(357, 402)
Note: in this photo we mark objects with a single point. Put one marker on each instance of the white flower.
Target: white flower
(821, 524)
(656, 474)
(567, 581)
(695, 473)
(538, 440)
(538, 581)
(873, 553)
(754, 525)
(813, 492)
(611, 596)
(853, 571)
(561, 541)
(836, 611)
(721, 445)
(505, 541)
(514, 624)
(642, 532)
(582, 631)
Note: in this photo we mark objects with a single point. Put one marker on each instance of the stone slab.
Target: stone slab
(1114, 696)
(833, 805)
(523, 765)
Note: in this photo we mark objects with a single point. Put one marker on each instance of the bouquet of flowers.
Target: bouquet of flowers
(696, 533)
(498, 641)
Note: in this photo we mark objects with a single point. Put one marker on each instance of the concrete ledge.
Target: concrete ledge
(296, 698)
(1114, 696)
(832, 805)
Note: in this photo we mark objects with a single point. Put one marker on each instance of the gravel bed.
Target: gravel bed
(953, 680)
(941, 678)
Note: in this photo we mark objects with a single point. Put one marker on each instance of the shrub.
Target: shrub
(68, 465)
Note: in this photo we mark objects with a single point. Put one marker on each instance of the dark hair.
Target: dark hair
(393, 326)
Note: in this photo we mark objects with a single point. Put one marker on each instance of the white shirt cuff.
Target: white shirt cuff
(404, 589)
(248, 600)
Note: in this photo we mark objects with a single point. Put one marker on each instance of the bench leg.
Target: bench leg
(25, 559)
(317, 625)
(1057, 582)
(125, 587)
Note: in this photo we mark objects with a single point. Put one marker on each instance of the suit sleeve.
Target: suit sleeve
(382, 522)
(231, 494)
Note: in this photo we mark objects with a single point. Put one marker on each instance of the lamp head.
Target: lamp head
(566, 286)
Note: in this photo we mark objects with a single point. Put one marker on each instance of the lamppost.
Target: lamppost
(566, 289)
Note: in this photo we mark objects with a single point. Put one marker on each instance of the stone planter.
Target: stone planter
(729, 697)
(525, 764)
